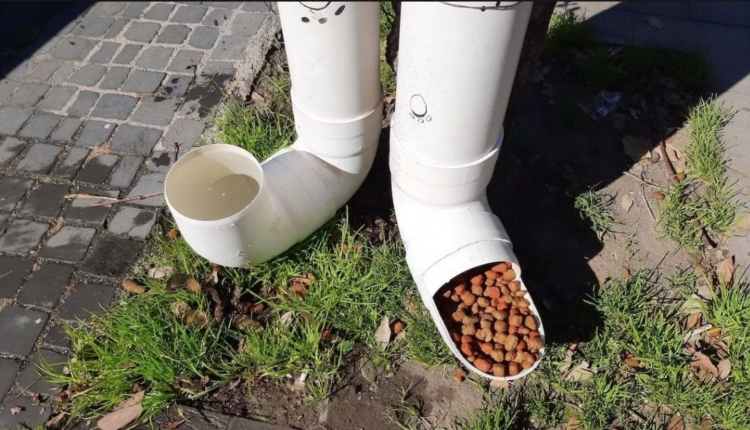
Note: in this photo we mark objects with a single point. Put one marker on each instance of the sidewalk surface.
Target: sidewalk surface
(103, 105)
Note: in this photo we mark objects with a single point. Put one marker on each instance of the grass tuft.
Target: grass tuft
(567, 31)
(705, 152)
(594, 208)
(501, 413)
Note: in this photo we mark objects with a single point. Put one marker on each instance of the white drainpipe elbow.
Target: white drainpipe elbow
(235, 211)
(456, 68)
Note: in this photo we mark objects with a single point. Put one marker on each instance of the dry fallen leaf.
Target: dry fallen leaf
(707, 372)
(182, 281)
(173, 233)
(656, 23)
(573, 423)
(54, 421)
(123, 415)
(693, 320)
(133, 287)
(626, 202)
(704, 291)
(725, 368)
(632, 362)
(15, 410)
(244, 323)
(724, 270)
(706, 424)
(658, 195)
(383, 334)
(676, 423)
(160, 272)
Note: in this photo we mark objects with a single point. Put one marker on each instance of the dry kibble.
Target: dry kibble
(512, 330)
(535, 343)
(482, 364)
(501, 326)
(487, 348)
(499, 369)
(519, 293)
(513, 311)
(508, 299)
(530, 322)
(485, 324)
(526, 364)
(521, 346)
(500, 315)
(523, 330)
(500, 337)
(455, 298)
(497, 355)
(511, 342)
(460, 289)
(468, 320)
(483, 302)
(514, 286)
(533, 333)
(515, 320)
(458, 316)
(475, 308)
(489, 282)
(468, 298)
(500, 268)
(470, 359)
(477, 290)
(455, 336)
(493, 292)
(447, 294)
(523, 303)
(513, 368)
(505, 290)
(467, 349)
(491, 274)
(502, 305)
(477, 280)
(524, 311)
(468, 330)
(509, 275)
(510, 356)
(486, 316)
(467, 339)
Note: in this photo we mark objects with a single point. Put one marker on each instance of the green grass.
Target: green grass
(404, 414)
(705, 152)
(565, 32)
(593, 207)
(387, 75)
(504, 412)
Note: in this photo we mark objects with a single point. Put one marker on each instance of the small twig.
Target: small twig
(668, 163)
(88, 196)
(5, 274)
(129, 199)
(645, 201)
(643, 181)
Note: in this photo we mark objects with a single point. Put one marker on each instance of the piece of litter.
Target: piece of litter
(106, 125)
(38, 320)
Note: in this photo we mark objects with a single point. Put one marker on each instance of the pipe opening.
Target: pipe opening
(213, 182)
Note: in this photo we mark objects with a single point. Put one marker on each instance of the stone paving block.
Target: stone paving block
(183, 133)
(97, 169)
(142, 31)
(3, 218)
(93, 26)
(22, 235)
(226, 4)
(216, 17)
(185, 60)
(8, 370)
(21, 70)
(47, 200)
(71, 164)
(56, 98)
(133, 222)
(28, 94)
(246, 24)
(46, 286)
(83, 104)
(255, 6)
(10, 148)
(161, 161)
(189, 14)
(149, 184)
(142, 81)
(114, 78)
(7, 86)
(134, 9)
(80, 210)
(17, 269)
(106, 8)
(156, 110)
(114, 106)
(159, 12)
(173, 34)
(116, 28)
(40, 126)
(201, 419)
(176, 85)
(203, 37)
(32, 414)
(19, 330)
(134, 139)
(73, 49)
(62, 74)
(88, 75)
(56, 335)
(40, 158)
(86, 299)
(201, 100)
(11, 191)
(66, 130)
(127, 54)
(68, 244)
(94, 133)
(105, 53)
(111, 256)
(155, 58)
(44, 70)
(125, 171)
(30, 378)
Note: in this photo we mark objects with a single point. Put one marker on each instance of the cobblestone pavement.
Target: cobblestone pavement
(104, 108)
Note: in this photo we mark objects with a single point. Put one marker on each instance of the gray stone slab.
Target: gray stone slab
(97, 169)
(176, 85)
(68, 244)
(106, 8)
(105, 53)
(56, 335)
(8, 370)
(114, 106)
(720, 12)
(22, 235)
(94, 133)
(226, 4)
(73, 49)
(56, 98)
(674, 9)
(155, 58)
(134, 9)
(28, 94)
(202, 99)
(132, 222)
(62, 74)
(46, 201)
(88, 75)
(40, 158)
(32, 414)
(161, 161)
(17, 269)
(83, 104)
(156, 110)
(246, 24)
(11, 191)
(173, 34)
(44, 70)
(22, 69)
(33, 381)
(220, 72)
(19, 329)
(204, 37)
(216, 17)
(71, 164)
(142, 31)
(185, 60)
(127, 54)
(159, 12)
(86, 299)
(40, 126)
(125, 171)
(80, 210)
(66, 130)
(189, 14)
(46, 286)
(149, 184)
(10, 149)
(114, 78)
(93, 26)
(7, 86)
(112, 256)
(116, 28)
(134, 139)
(142, 81)
(255, 6)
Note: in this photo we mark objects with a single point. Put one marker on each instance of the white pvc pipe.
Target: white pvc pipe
(456, 68)
(233, 210)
